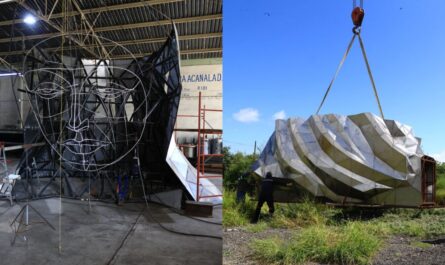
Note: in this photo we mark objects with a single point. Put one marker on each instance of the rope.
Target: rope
(357, 33)
(354, 4)
(357, 18)
(64, 29)
(370, 75)
(336, 72)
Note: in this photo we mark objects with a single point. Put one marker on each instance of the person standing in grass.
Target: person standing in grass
(242, 187)
(266, 195)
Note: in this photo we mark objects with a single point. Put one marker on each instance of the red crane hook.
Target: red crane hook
(357, 16)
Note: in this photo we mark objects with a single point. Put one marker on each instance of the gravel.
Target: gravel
(403, 250)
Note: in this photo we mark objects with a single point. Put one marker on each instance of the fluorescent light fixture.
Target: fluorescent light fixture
(30, 19)
(5, 1)
(10, 74)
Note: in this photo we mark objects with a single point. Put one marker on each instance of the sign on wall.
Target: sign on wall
(208, 80)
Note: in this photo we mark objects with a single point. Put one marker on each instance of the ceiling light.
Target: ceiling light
(10, 74)
(30, 20)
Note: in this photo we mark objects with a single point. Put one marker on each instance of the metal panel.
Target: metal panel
(357, 159)
(188, 176)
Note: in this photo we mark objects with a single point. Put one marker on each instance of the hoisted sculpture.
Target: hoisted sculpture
(358, 159)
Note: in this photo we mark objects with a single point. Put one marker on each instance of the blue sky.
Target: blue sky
(279, 56)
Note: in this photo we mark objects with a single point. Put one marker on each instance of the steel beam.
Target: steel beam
(96, 10)
(182, 52)
(123, 27)
(128, 42)
(91, 30)
(53, 25)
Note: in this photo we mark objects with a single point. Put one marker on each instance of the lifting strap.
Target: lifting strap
(370, 75)
(340, 65)
(356, 31)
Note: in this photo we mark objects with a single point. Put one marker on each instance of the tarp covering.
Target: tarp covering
(358, 158)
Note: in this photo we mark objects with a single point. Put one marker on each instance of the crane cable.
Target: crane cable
(357, 18)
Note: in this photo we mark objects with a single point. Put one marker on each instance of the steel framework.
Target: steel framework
(96, 115)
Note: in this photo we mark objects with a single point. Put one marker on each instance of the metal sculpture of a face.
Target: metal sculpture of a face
(86, 109)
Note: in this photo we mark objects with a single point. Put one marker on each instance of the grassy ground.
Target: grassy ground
(440, 183)
(329, 235)
(326, 244)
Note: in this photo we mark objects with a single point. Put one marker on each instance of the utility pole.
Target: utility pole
(254, 149)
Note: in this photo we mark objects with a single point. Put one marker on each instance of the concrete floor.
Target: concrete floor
(93, 237)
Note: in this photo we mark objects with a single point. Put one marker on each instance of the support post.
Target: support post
(199, 148)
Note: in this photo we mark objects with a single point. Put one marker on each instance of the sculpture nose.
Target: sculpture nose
(77, 121)
(77, 125)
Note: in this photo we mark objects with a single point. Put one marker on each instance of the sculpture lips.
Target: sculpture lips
(85, 147)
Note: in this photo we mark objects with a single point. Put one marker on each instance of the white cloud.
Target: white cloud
(280, 115)
(247, 115)
(439, 156)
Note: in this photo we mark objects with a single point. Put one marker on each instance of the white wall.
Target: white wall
(9, 113)
(207, 79)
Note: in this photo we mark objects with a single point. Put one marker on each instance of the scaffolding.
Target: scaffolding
(202, 156)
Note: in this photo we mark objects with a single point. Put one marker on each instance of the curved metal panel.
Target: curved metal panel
(358, 158)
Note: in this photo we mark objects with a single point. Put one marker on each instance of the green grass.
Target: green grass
(349, 241)
(269, 250)
(256, 228)
(349, 244)
(428, 223)
(302, 214)
(287, 215)
(425, 223)
(236, 214)
(420, 244)
(329, 235)
(440, 183)
(440, 190)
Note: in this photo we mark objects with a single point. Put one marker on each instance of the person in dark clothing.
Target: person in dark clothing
(266, 195)
(242, 187)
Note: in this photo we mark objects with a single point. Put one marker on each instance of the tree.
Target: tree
(440, 169)
(235, 164)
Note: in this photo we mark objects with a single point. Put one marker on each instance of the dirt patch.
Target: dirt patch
(402, 250)
(396, 250)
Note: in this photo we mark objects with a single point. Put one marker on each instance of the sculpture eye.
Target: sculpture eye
(53, 86)
(111, 90)
(48, 90)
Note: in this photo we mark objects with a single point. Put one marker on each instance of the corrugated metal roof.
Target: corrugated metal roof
(141, 26)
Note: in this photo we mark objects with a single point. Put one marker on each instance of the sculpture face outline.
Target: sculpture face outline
(84, 113)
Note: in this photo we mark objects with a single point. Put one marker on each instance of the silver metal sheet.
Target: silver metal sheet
(187, 174)
(358, 158)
